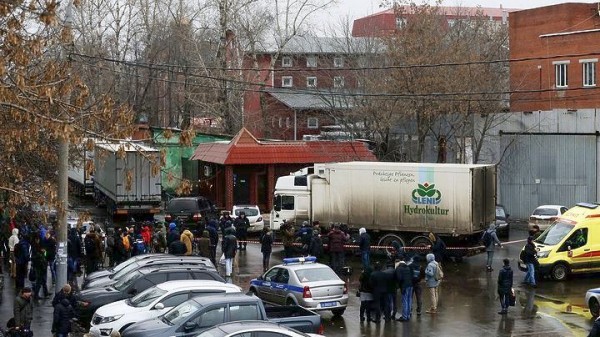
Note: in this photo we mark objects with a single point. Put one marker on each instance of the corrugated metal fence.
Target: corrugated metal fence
(540, 169)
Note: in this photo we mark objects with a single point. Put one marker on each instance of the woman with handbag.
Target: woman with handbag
(505, 283)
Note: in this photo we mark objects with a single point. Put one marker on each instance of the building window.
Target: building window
(338, 82)
(589, 72)
(287, 122)
(280, 122)
(311, 61)
(338, 62)
(286, 61)
(311, 82)
(287, 81)
(313, 123)
(561, 73)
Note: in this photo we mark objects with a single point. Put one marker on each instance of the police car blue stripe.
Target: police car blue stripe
(278, 285)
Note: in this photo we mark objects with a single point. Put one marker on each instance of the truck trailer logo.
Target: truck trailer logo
(426, 195)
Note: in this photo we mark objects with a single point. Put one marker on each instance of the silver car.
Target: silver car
(302, 281)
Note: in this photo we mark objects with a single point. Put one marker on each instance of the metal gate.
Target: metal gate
(543, 169)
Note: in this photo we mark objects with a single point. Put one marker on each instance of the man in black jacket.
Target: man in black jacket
(241, 224)
(404, 280)
(364, 244)
(63, 313)
(505, 283)
(379, 283)
(229, 249)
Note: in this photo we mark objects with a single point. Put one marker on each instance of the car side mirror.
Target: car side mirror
(159, 306)
(189, 326)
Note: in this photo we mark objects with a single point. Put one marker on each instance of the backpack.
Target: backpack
(90, 247)
(486, 239)
(439, 273)
(140, 247)
(126, 244)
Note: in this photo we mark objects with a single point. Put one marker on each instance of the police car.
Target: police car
(304, 282)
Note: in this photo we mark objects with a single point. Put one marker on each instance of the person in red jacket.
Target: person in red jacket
(146, 235)
(337, 239)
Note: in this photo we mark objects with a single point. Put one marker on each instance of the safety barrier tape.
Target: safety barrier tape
(390, 247)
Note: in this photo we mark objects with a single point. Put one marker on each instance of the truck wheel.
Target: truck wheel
(338, 312)
(594, 307)
(421, 241)
(559, 272)
(387, 240)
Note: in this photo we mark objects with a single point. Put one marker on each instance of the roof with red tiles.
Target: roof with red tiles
(245, 149)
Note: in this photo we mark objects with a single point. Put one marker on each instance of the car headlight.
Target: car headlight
(543, 254)
(109, 319)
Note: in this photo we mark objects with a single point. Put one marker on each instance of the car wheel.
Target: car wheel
(290, 302)
(338, 312)
(594, 307)
(559, 272)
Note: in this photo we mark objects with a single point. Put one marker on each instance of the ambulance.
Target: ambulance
(571, 245)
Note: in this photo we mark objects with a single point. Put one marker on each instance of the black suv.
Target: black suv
(191, 211)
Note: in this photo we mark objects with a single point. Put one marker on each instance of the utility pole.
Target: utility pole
(63, 181)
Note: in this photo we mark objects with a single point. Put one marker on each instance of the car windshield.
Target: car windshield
(125, 271)
(247, 211)
(181, 312)
(146, 297)
(555, 233)
(545, 212)
(128, 279)
(126, 263)
(316, 274)
(500, 212)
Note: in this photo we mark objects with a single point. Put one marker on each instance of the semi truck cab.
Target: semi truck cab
(291, 201)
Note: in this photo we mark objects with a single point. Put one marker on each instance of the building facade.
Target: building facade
(548, 147)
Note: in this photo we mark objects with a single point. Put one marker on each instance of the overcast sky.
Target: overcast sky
(359, 8)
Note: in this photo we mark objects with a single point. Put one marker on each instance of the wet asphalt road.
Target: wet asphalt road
(468, 304)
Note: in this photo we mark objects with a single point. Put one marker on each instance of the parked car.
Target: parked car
(544, 215)
(193, 211)
(201, 313)
(302, 281)
(134, 283)
(253, 214)
(253, 328)
(111, 271)
(592, 299)
(166, 261)
(502, 223)
(154, 302)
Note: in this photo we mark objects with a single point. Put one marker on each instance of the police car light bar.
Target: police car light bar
(299, 259)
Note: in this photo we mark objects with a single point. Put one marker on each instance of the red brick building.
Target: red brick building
(554, 53)
(308, 85)
(389, 21)
(244, 170)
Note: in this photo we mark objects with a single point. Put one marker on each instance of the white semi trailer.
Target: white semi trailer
(393, 201)
(124, 180)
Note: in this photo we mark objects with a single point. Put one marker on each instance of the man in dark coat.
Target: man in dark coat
(22, 258)
(214, 239)
(173, 234)
(404, 281)
(63, 313)
(204, 245)
(315, 247)
(364, 245)
(418, 273)
(438, 247)
(177, 248)
(49, 244)
(73, 254)
(23, 309)
(505, 283)
(266, 247)
(379, 284)
(229, 249)
(40, 269)
(93, 251)
(529, 257)
(337, 238)
(241, 224)
(65, 293)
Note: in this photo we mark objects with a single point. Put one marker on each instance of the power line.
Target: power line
(301, 91)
